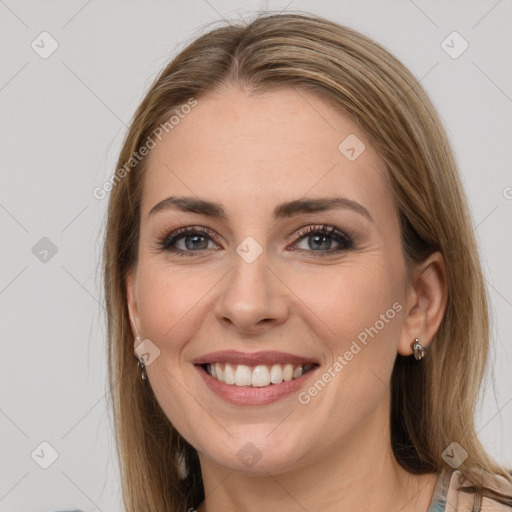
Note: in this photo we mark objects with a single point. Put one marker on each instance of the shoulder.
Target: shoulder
(459, 500)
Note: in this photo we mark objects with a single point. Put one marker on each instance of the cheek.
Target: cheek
(168, 302)
(170, 305)
(359, 308)
(352, 300)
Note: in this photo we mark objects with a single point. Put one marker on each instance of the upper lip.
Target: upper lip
(252, 358)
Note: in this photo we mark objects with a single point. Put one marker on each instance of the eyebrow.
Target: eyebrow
(281, 211)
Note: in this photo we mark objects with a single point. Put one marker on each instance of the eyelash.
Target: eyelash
(165, 243)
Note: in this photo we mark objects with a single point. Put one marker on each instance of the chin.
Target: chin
(256, 454)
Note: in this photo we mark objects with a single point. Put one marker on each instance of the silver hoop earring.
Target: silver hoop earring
(140, 363)
(419, 350)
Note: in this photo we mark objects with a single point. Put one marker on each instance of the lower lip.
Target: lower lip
(248, 395)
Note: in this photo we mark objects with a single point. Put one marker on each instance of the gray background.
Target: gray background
(63, 119)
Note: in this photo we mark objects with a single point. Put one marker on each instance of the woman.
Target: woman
(289, 257)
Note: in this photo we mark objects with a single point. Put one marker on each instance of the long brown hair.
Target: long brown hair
(433, 403)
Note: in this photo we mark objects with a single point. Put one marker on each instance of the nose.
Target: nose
(252, 299)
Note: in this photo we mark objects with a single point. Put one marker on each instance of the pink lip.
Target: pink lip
(251, 359)
(247, 395)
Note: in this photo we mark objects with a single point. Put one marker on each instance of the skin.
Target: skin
(250, 153)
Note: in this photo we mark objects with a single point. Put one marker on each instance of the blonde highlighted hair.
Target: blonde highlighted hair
(433, 403)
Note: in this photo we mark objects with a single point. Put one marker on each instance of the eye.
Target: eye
(187, 240)
(320, 239)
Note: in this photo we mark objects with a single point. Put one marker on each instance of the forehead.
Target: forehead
(253, 151)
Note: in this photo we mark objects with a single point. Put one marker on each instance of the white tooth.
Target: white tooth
(219, 372)
(276, 374)
(260, 376)
(242, 375)
(297, 372)
(287, 372)
(229, 374)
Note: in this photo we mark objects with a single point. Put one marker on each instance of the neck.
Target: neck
(361, 473)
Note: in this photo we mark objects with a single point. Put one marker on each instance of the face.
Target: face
(276, 264)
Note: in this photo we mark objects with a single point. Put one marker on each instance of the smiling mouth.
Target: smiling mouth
(256, 376)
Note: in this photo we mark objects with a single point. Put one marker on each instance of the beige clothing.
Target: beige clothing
(448, 498)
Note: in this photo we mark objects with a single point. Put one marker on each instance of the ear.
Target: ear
(427, 295)
(131, 301)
